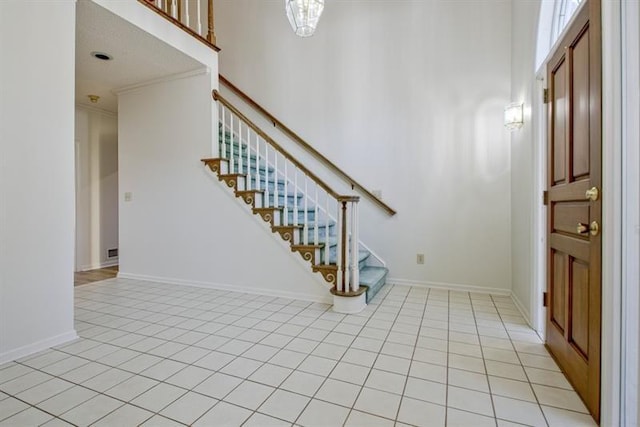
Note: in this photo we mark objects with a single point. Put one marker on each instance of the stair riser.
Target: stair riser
(333, 256)
(310, 215)
(272, 186)
(290, 199)
(252, 171)
(373, 290)
(321, 232)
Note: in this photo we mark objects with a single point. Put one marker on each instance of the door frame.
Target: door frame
(613, 285)
(631, 212)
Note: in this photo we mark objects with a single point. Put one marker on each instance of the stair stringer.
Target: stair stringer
(283, 275)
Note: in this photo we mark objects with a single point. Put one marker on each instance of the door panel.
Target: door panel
(567, 215)
(580, 306)
(580, 104)
(558, 290)
(559, 130)
(574, 253)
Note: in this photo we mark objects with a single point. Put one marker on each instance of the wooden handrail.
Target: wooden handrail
(294, 136)
(285, 153)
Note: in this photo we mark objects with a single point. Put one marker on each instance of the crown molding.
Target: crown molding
(130, 88)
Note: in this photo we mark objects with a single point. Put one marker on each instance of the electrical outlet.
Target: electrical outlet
(420, 258)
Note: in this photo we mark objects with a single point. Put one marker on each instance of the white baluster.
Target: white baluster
(223, 137)
(316, 238)
(266, 177)
(266, 199)
(174, 9)
(199, 17)
(186, 12)
(231, 162)
(339, 260)
(355, 271)
(305, 222)
(286, 193)
(295, 199)
(249, 159)
(275, 177)
(326, 228)
(347, 256)
(240, 159)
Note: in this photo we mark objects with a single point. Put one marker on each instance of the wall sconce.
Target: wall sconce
(513, 116)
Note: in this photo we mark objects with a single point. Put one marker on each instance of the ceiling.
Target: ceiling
(137, 56)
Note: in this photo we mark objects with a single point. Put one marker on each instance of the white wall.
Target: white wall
(36, 175)
(407, 97)
(523, 151)
(97, 188)
(182, 225)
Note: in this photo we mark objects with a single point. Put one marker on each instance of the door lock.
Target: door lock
(593, 228)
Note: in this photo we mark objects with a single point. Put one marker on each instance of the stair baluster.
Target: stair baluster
(286, 193)
(249, 185)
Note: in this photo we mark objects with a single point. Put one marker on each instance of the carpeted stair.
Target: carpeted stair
(372, 277)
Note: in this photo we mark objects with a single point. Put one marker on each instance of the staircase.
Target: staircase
(296, 205)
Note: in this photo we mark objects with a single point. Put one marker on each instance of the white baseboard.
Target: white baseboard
(450, 286)
(110, 263)
(29, 349)
(523, 311)
(235, 288)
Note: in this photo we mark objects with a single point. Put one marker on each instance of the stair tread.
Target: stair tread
(371, 275)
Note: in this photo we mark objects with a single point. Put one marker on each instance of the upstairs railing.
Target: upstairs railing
(194, 16)
(323, 218)
(308, 147)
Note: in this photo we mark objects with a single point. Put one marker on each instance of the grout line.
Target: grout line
(484, 362)
(106, 300)
(522, 366)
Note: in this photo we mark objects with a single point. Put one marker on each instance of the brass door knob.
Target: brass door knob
(592, 194)
(582, 228)
(593, 228)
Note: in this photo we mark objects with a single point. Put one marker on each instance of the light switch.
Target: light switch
(128, 196)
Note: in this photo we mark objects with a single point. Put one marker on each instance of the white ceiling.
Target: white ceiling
(137, 56)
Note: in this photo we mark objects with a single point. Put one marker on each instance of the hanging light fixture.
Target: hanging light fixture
(304, 15)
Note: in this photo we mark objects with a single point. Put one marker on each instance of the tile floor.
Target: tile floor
(161, 355)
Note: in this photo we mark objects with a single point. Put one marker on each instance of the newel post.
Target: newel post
(348, 296)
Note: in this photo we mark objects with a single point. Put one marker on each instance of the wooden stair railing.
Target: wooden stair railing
(183, 14)
(308, 147)
(318, 222)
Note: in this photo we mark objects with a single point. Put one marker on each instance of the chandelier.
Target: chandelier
(304, 15)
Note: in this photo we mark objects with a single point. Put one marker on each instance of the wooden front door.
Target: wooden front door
(574, 197)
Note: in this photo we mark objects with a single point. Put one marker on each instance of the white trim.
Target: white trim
(450, 286)
(136, 86)
(234, 288)
(36, 347)
(630, 369)
(611, 214)
(110, 263)
(523, 311)
(95, 109)
(349, 305)
(539, 237)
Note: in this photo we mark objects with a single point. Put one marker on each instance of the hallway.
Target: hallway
(158, 354)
